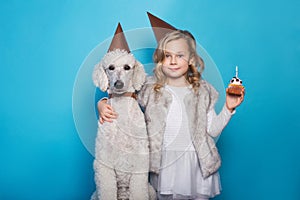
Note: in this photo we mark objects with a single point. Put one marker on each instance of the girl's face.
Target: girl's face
(176, 60)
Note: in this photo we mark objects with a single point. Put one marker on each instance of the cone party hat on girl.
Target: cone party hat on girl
(159, 27)
(119, 40)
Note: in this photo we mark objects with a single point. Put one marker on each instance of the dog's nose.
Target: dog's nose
(119, 84)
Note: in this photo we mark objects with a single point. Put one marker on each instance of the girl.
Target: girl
(181, 121)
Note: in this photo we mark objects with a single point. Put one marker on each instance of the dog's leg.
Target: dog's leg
(106, 184)
(139, 186)
(152, 193)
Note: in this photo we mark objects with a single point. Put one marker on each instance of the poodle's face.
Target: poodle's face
(119, 72)
(119, 68)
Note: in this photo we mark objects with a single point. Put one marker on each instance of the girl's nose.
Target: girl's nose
(173, 60)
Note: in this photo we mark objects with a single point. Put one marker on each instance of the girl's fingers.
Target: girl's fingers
(110, 111)
(107, 113)
(242, 97)
(108, 107)
(101, 120)
(106, 119)
(108, 116)
(111, 115)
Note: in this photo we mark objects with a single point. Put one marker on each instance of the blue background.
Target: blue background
(43, 44)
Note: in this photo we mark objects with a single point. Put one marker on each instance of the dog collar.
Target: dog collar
(126, 94)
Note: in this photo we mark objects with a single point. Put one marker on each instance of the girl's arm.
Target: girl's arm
(216, 123)
(106, 112)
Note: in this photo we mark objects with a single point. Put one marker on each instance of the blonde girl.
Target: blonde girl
(181, 121)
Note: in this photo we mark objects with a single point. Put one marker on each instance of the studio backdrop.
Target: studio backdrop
(48, 118)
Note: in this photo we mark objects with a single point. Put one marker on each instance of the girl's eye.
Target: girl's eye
(111, 67)
(126, 67)
(167, 55)
(179, 56)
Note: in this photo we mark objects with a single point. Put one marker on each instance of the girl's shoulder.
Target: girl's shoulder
(206, 86)
(150, 80)
(146, 91)
(149, 84)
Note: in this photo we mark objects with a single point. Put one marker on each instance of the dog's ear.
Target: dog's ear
(99, 77)
(139, 76)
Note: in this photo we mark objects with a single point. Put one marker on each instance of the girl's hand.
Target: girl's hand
(233, 101)
(106, 112)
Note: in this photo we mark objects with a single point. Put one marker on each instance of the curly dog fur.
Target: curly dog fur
(121, 162)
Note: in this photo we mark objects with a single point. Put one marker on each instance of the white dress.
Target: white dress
(180, 174)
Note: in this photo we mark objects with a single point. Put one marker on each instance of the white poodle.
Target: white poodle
(122, 153)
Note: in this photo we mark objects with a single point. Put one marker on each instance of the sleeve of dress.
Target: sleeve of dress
(216, 123)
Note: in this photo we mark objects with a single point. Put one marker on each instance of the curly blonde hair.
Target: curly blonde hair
(193, 75)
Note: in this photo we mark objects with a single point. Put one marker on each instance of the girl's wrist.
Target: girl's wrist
(230, 109)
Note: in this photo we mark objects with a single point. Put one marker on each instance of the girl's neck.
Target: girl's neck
(177, 82)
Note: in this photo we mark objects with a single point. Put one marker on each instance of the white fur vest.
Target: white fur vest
(197, 106)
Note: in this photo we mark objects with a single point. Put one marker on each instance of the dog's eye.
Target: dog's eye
(126, 67)
(111, 67)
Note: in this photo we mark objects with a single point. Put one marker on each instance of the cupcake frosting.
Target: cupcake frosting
(236, 81)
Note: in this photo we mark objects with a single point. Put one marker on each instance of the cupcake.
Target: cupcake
(235, 86)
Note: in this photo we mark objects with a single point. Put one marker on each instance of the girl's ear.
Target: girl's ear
(139, 76)
(99, 77)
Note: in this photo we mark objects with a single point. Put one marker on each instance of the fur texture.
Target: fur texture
(122, 147)
(204, 144)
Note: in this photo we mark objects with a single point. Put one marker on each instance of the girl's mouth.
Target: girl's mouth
(174, 68)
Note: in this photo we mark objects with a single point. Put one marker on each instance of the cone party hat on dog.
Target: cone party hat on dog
(159, 27)
(119, 40)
